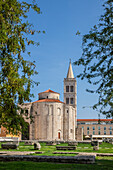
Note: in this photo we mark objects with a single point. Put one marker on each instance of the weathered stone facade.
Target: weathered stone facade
(79, 134)
(53, 119)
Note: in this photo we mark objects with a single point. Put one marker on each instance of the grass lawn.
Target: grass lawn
(48, 150)
(103, 148)
(103, 163)
(100, 164)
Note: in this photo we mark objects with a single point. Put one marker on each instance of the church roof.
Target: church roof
(48, 91)
(70, 71)
(48, 100)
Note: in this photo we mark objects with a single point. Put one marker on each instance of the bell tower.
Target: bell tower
(70, 88)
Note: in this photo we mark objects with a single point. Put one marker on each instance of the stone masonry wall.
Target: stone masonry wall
(79, 134)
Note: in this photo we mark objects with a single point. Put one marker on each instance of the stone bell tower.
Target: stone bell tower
(70, 88)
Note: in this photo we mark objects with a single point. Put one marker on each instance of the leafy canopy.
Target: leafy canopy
(97, 60)
(15, 71)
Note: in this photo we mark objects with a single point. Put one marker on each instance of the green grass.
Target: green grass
(48, 150)
(104, 163)
(104, 158)
(102, 148)
(99, 165)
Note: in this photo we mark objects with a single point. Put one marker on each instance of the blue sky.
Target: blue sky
(61, 19)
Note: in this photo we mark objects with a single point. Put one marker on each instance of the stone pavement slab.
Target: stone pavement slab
(15, 153)
(86, 153)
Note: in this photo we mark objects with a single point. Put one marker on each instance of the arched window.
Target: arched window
(67, 100)
(71, 100)
(110, 128)
(110, 132)
(71, 89)
(93, 128)
(67, 88)
(98, 132)
(59, 111)
(99, 128)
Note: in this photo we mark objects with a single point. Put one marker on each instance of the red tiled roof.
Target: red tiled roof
(48, 91)
(48, 100)
(93, 120)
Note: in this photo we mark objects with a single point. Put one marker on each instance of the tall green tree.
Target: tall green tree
(97, 60)
(15, 71)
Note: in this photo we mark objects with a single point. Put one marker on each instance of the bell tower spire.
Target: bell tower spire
(70, 71)
(70, 88)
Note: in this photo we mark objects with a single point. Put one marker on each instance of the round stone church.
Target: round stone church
(52, 118)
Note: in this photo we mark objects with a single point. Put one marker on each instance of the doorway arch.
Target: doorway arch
(59, 134)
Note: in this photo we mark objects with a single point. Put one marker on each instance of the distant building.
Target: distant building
(2, 132)
(102, 128)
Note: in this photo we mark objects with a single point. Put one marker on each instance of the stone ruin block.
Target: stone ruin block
(37, 146)
(72, 143)
(95, 148)
(66, 147)
(111, 141)
(95, 143)
(50, 143)
(28, 143)
(58, 143)
(9, 146)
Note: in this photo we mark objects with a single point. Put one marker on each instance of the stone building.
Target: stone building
(97, 128)
(57, 120)
(54, 119)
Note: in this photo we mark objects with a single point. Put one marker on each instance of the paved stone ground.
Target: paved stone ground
(86, 153)
(15, 153)
(96, 154)
(78, 153)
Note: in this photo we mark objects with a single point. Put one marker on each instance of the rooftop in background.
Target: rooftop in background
(48, 100)
(94, 120)
(48, 91)
(49, 96)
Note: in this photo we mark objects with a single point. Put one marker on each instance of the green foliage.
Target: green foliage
(97, 60)
(15, 71)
